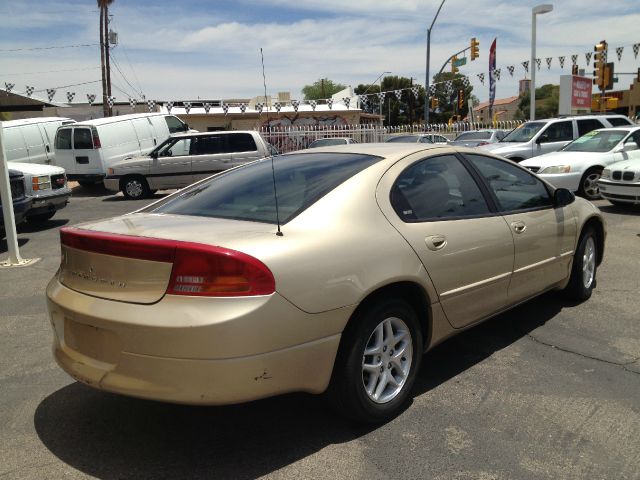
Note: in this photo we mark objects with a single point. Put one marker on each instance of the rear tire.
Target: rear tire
(135, 187)
(585, 265)
(379, 355)
(589, 184)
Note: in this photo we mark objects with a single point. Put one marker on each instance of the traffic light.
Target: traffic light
(454, 67)
(608, 76)
(599, 61)
(434, 103)
(460, 99)
(475, 49)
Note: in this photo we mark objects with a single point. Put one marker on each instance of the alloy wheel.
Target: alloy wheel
(588, 262)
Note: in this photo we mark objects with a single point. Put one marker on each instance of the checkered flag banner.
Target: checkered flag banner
(561, 60)
(9, 86)
(481, 78)
(70, 96)
(151, 104)
(313, 104)
(187, 107)
(574, 59)
(225, 108)
(364, 100)
(295, 104)
(91, 97)
(511, 69)
(132, 103)
(588, 57)
(381, 96)
(449, 85)
(636, 48)
(170, 106)
(206, 106)
(243, 107)
(277, 106)
(111, 101)
(416, 92)
(619, 52)
(538, 62)
(432, 90)
(50, 93)
(330, 103)
(29, 90)
(259, 107)
(496, 73)
(525, 65)
(549, 60)
(465, 81)
(398, 94)
(346, 101)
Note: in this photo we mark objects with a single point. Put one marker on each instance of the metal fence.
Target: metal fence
(292, 138)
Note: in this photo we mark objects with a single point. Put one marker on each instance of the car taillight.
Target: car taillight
(198, 269)
(96, 137)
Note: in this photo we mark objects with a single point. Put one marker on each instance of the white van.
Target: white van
(29, 149)
(30, 140)
(87, 149)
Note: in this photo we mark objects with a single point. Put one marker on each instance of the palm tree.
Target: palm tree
(104, 54)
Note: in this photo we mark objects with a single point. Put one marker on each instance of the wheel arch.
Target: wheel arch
(598, 227)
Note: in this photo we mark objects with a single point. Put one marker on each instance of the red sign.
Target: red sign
(581, 92)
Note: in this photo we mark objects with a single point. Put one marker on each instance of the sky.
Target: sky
(210, 49)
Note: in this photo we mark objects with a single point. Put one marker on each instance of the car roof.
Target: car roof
(31, 121)
(391, 151)
(209, 134)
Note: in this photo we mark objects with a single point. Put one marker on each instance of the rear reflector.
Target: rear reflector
(198, 269)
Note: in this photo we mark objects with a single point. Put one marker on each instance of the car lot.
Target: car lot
(548, 390)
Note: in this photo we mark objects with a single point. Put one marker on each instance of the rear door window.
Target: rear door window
(247, 192)
(82, 139)
(209, 145)
(559, 132)
(588, 124)
(63, 139)
(619, 122)
(241, 142)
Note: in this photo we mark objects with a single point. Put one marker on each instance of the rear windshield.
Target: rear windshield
(247, 193)
(326, 142)
(474, 136)
(404, 139)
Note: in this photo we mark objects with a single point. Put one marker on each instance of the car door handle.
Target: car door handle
(435, 242)
(518, 227)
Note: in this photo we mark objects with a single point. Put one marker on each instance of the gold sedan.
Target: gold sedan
(326, 271)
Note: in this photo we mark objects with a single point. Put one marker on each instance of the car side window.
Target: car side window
(559, 132)
(241, 142)
(425, 140)
(632, 142)
(174, 124)
(209, 145)
(437, 188)
(82, 138)
(588, 124)
(179, 148)
(514, 188)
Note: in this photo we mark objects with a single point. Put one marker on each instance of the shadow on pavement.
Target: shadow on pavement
(120, 198)
(621, 209)
(4, 247)
(28, 227)
(96, 190)
(113, 437)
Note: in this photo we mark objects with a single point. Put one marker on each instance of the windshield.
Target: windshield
(596, 141)
(524, 132)
(474, 136)
(409, 139)
(247, 193)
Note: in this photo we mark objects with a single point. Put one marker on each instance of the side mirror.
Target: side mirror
(563, 197)
(544, 138)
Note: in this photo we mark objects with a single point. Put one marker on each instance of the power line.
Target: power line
(52, 71)
(121, 90)
(65, 86)
(48, 48)
(115, 63)
(135, 75)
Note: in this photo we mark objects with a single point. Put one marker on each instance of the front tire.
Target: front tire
(589, 184)
(585, 265)
(379, 356)
(135, 188)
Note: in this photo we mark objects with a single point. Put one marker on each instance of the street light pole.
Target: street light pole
(426, 81)
(538, 10)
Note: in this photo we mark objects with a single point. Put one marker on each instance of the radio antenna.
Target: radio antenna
(273, 171)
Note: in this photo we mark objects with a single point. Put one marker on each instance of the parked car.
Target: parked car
(29, 149)
(87, 149)
(326, 142)
(21, 202)
(544, 136)
(579, 164)
(620, 182)
(418, 138)
(220, 294)
(476, 138)
(183, 159)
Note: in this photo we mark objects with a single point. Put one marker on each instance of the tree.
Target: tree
(547, 102)
(104, 54)
(406, 110)
(448, 99)
(321, 89)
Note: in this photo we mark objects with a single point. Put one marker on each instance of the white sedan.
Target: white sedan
(579, 164)
(620, 182)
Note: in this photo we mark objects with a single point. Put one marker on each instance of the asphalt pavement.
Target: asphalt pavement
(549, 390)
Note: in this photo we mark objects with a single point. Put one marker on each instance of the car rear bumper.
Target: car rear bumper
(49, 203)
(171, 351)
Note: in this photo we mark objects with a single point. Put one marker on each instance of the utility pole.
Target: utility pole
(106, 56)
(426, 82)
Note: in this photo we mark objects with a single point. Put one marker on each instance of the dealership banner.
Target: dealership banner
(492, 75)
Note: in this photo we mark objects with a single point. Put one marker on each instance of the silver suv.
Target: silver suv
(536, 137)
